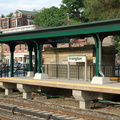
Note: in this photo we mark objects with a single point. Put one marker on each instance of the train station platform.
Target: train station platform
(82, 90)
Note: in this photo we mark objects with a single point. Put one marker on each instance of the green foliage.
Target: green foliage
(101, 9)
(117, 43)
(48, 17)
(77, 11)
(74, 8)
(9, 15)
(69, 12)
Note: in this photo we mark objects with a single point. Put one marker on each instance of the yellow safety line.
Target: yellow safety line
(113, 77)
(85, 85)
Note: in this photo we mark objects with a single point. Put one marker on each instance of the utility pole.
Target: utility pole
(68, 18)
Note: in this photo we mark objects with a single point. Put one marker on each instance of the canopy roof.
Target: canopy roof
(107, 27)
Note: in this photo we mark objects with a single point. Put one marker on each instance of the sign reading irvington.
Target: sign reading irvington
(77, 58)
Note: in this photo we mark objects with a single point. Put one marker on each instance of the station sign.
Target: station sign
(77, 58)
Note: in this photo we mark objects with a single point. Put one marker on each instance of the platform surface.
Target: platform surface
(113, 87)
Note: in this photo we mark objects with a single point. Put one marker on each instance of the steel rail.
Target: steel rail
(48, 116)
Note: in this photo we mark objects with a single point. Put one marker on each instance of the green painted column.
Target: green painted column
(12, 48)
(97, 57)
(36, 61)
(39, 57)
(30, 48)
(98, 45)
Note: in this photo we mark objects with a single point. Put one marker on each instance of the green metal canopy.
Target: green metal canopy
(98, 30)
(107, 27)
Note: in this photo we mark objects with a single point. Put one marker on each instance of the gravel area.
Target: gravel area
(67, 104)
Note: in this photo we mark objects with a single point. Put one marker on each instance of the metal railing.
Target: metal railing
(61, 71)
(77, 71)
(18, 71)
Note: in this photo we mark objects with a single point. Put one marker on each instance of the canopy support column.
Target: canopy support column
(98, 46)
(30, 72)
(12, 48)
(39, 74)
(36, 61)
(99, 76)
(39, 55)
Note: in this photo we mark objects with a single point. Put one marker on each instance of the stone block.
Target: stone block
(40, 76)
(100, 80)
(30, 74)
(26, 88)
(84, 95)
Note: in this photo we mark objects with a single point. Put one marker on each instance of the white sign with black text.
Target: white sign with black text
(77, 58)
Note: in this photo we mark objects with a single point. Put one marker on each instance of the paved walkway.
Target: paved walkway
(113, 87)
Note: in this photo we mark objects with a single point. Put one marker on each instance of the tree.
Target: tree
(70, 12)
(74, 9)
(117, 43)
(9, 15)
(48, 17)
(101, 9)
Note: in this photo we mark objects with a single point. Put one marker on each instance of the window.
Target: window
(5, 47)
(5, 24)
(14, 15)
(20, 47)
(18, 14)
(25, 47)
(13, 23)
(30, 22)
(19, 23)
(20, 59)
(28, 16)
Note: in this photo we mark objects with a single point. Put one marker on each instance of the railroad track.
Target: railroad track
(44, 112)
(4, 118)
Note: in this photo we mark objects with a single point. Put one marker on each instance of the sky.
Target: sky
(8, 6)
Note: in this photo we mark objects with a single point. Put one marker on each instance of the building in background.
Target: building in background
(21, 50)
(107, 41)
(19, 18)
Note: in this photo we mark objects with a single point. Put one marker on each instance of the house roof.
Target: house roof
(27, 12)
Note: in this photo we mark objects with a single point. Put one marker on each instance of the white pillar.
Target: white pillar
(100, 80)
(84, 98)
(8, 91)
(26, 89)
(27, 95)
(84, 104)
(8, 87)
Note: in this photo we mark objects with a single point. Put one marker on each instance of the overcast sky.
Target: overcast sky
(8, 6)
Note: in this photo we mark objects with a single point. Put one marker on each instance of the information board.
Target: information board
(77, 58)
